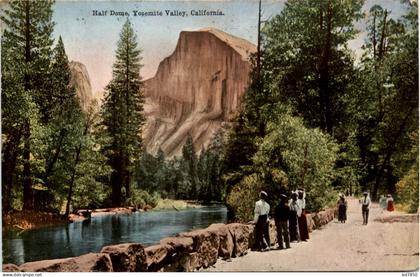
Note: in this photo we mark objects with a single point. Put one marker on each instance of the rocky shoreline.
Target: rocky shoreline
(187, 251)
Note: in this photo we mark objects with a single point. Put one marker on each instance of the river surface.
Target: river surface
(79, 238)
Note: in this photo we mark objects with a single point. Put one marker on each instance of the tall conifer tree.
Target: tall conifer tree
(26, 50)
(122, 113)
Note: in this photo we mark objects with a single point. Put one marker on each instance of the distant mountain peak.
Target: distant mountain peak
(197, 88)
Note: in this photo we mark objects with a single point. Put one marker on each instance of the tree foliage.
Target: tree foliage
(122, 114)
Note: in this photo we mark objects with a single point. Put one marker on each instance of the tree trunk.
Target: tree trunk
(50, 166)
(73, 175)
(10, 153)
(324, 76)
(116, 181)
(28, 200)
(389, 152)
(76, 162)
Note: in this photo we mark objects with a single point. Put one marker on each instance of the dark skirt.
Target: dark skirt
(303, 226)
(293, 226)
(342, 212)
(390, 206)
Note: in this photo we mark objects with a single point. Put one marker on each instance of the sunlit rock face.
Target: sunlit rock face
(195, 90)
(81, 82)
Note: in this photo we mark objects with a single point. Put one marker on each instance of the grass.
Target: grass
(171, 204)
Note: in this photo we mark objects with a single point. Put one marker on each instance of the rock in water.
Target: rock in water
(195, 90)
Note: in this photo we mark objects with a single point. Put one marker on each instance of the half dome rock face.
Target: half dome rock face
(195, 90)
(81, 82)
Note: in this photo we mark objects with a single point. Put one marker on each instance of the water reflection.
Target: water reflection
(90, 236)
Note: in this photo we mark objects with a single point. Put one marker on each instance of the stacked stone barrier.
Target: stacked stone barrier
(187, 251)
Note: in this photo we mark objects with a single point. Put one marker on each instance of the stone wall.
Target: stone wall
(187, 251)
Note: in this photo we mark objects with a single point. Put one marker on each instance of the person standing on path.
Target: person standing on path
(342, 208)
(295, 212)
(281, 218)
(302, 221)
(262, 209)
(382, 202)
(390, 203)
(365, 207)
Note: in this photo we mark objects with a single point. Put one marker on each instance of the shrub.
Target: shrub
(141, 198)
(243, 196)
(408, 190)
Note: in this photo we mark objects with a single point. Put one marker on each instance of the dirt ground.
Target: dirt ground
(390, 242)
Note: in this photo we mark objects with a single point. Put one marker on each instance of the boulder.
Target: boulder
(225, 240)
(187, 262)
(323, 217)
(157, 256)
(206, 244)
(10, 268)
(310, 222)
(180, 258)
(243, 238)
(92, 262)
(127, 257)
(179, 244)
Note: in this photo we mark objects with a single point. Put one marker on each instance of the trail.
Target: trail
(379, 246)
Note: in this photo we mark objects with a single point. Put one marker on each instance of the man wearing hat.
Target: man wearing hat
(262, 209)
(295, 212)
(365, 207)
(281, 218)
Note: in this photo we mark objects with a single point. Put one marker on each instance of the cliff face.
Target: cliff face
(81, 82)
(195, 89)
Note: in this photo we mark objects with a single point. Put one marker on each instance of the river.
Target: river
(79, 238)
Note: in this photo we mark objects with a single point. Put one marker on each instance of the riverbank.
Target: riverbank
(390, 242)
(26, 220)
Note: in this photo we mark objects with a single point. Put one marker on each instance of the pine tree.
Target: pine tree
(189, 166)
(26, 50)
(122, 113)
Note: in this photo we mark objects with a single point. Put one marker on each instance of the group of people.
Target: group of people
(384, 202)
(387, 203)
(289, 217)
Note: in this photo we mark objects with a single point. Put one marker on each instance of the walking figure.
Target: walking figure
(342, 208)
(281, 218)
(295, 212)
(262, 209)
(383, 202)
(302, 221)
(365, 207)
(390, 203)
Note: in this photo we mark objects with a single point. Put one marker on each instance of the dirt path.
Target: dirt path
(378, 246)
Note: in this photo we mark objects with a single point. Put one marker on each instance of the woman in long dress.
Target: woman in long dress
(303, 224)
(390, 203)
(342, 209)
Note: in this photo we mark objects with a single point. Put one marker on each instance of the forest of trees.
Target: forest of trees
(318, 118)
(314, 116)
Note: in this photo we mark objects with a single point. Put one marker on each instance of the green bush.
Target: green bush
(307, 157)
(243, 196)
(141, 198)
(408, 190)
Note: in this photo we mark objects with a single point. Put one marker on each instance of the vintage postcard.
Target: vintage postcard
(209, 135)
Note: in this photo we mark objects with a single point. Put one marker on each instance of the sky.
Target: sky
(92, 40)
